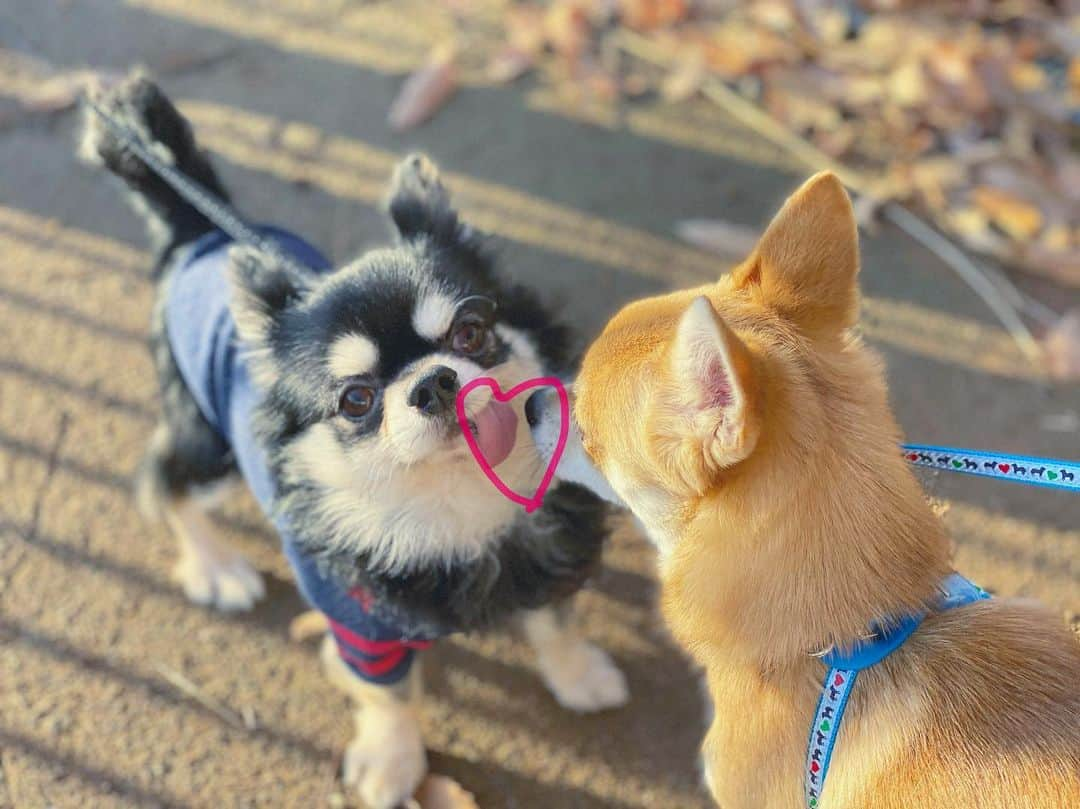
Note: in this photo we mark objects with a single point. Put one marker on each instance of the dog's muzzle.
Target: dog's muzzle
(542, 411)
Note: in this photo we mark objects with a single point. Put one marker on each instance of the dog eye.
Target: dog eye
(470, 338)
(356, 401)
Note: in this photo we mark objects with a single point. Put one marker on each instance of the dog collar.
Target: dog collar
(956, 591)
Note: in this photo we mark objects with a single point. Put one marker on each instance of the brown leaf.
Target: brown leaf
(635, 84)
(647, 15)
(907, 84)
(1062, 347)
(934, 177)
(686, 78)
(838, 141)
(525, 29)
(1028, 77)
(1060, 266)
(509, 64)
(1012, 214)
(566, 27)
(972, 227)
(425, 91)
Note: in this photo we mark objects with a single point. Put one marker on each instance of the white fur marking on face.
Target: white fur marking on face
(353, 355)
(433, 315)
(519, 343)
(412, 493)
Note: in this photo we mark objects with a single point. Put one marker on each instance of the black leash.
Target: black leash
(218, 212)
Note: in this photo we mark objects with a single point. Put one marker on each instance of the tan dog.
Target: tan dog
(748, 428)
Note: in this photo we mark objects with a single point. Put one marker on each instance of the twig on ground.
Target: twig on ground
(190, 689)
(750, 115)
(971, 273)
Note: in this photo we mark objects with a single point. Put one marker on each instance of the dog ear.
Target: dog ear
(262, 287)
(714, 371)
(418, 203)
(807, 262)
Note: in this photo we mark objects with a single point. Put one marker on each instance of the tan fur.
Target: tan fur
(809, 532)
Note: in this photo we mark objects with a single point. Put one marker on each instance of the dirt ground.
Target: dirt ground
(114, 691)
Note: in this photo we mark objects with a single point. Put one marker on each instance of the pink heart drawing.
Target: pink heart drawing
(530, 503)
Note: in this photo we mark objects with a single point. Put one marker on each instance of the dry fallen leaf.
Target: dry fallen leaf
(525, 29)
(907, 84)
(1012, 214)
(968, 120)
(566, 27)
(687, 77)
(509, 64)
(646, 15)
(426, 90)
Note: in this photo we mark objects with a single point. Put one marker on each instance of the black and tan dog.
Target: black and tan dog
(332, 391)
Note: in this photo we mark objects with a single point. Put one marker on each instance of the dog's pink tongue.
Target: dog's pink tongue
(496, 431)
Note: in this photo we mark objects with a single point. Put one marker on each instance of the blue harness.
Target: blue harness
(844, 668)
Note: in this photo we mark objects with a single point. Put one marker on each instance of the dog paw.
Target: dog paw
(230, 585)
(385, 763)
(584, 678)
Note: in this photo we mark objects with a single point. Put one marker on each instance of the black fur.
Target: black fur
(141, 103)
(540, 558)
(185, 451)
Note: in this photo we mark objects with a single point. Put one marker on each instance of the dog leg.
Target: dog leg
(581, 676)
(210, 572)
(385, 762)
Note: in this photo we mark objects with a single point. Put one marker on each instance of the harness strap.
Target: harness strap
(824, 728)
(844, 669)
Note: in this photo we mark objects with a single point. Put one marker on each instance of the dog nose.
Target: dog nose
(534, 407)
(435, 392)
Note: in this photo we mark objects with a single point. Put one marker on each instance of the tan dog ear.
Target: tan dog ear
(806, 265)
(715, 371)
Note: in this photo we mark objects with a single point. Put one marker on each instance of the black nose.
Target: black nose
(436, 391)
(534, 407)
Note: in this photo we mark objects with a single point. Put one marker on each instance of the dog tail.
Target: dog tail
(140, 105)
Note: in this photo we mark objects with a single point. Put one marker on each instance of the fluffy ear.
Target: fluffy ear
(806, 265)
(714, 370)
(418, 203)
(261, 289)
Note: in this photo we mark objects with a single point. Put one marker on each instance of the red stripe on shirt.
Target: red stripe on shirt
(376, 668)
(372, 647)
